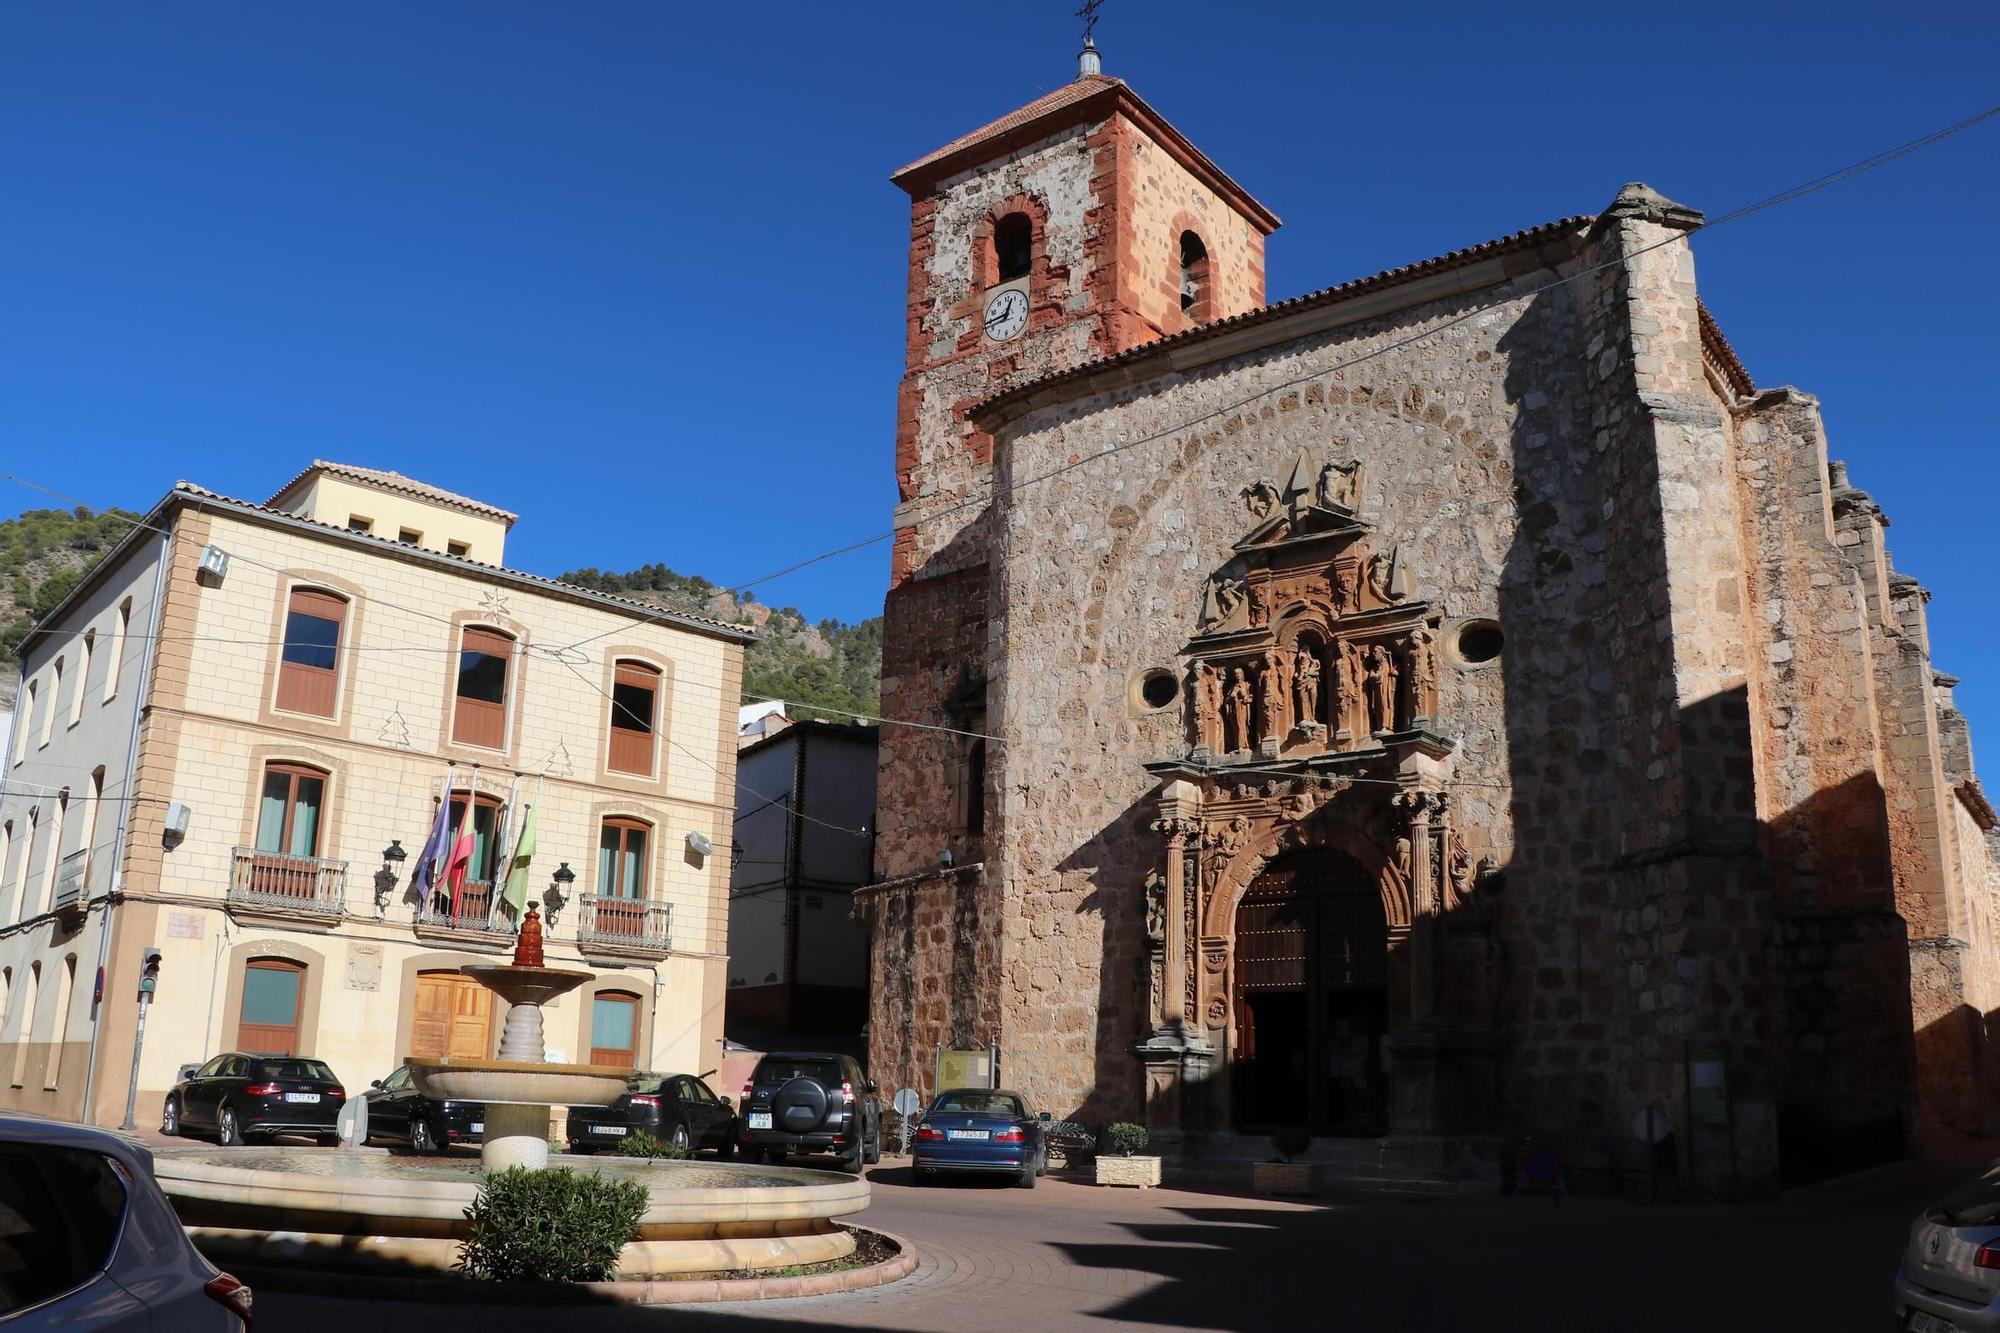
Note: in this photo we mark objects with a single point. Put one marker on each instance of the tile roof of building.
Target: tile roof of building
(1717, 349)
(1074, 101)
(706, 623)
(395, 481)
(1574, 225)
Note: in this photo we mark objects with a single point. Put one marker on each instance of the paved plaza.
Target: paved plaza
(1070, 1255)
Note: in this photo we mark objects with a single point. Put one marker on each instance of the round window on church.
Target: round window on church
(1479, 642)
(1155, 688)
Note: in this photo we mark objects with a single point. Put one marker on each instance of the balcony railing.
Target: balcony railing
(473, 910)
(623, 925)
(276, 882)
(71, 874)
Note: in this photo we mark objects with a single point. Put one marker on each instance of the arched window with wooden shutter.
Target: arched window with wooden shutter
(309, 664)
(485, 659)
(635, 710)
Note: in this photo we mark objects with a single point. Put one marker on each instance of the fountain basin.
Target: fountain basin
(519, 1082)
(367, 1210)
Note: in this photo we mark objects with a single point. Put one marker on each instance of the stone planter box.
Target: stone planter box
(1284, 1177)
(1141, 1171)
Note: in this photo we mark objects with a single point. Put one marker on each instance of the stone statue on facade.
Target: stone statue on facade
(1241, 707)
(1340, 485)
(1381, 690)
(1205, 703)
(1420, 674)
(1274, 698)
(1228, 596)
(1156, 907)
(1260, 605)
(1305, 685)
(1346, 593)
(1354, 685)
(1262, 498)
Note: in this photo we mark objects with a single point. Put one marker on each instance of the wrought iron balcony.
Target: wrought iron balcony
(635, 927)
(301, 886)
(471, 911)
(71, 875)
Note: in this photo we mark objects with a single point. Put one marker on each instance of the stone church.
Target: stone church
(1452, 712)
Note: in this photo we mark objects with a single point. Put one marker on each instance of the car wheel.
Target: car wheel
(1026, 1180)
(1042, 1163)
(680, 1138)
(851, 1160)
(170, 1119)
(422, 1137)
(227, 1131)
(871, 1151)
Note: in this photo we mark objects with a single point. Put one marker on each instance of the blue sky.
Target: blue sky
(636, 269)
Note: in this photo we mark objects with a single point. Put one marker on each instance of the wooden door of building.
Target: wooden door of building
(1311, 999)
(453, 1018)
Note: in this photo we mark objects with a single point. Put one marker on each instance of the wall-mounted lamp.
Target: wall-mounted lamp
(385, 879)
(558, 895)
(699, 844)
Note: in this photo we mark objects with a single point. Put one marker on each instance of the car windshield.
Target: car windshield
(1976, 1203)
(306, 1069)
(981, 1103)
(777, 1070)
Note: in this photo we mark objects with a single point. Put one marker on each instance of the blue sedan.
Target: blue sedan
(980, 1129)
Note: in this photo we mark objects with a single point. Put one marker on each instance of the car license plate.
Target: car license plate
(1929, 1323)
(618, 1130)
(479, 1126)
(301, 1096)
(965, 1134)
(760, 1120)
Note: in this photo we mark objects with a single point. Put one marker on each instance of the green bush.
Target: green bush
(1291, 1143)
(642, 1144)
(1124, 1139)
(550, 1226)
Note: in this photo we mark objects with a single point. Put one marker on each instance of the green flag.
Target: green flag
(516, 894)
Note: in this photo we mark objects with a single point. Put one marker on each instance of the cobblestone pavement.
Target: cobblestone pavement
(1073, 1256)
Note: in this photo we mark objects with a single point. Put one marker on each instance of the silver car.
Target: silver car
(88, 1241)
(1949, 1281)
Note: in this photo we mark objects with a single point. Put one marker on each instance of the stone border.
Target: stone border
(650, 1291)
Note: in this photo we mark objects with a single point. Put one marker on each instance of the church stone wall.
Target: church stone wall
(1158, 203)
(1104, 572)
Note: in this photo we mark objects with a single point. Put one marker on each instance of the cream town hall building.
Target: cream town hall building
(232, 741)
(1448, 710)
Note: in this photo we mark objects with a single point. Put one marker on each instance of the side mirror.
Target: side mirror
(726, 1102)
(869, 1086)
(375, 1083)
(1045, 1117)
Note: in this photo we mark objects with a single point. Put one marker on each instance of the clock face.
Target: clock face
(1006, 315)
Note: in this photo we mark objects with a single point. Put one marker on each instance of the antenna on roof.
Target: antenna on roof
(1087, 61)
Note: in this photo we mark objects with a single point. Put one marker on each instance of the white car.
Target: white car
(88, 1241)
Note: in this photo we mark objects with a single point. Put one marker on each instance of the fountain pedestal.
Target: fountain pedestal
(521, 1086)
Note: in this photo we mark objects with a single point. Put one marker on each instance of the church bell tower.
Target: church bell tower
(1072, 229)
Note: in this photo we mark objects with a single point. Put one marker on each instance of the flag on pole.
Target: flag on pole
(503, 829)
(460, 860)
(517, 873)
(430, 861)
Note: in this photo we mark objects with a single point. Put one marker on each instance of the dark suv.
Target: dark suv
(811, 1103)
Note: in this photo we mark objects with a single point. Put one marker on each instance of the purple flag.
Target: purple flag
(430, 859)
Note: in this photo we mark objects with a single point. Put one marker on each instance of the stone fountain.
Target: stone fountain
(369, 1211)
(520, 1087)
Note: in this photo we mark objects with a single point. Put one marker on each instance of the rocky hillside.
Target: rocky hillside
(43, 553)
(828, 663)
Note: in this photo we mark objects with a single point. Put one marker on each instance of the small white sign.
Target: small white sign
(183, 926)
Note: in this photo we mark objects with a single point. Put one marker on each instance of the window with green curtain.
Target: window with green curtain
(271, 812)
(621, 859)
(288, 812)
(270, 996)
(611, 1020)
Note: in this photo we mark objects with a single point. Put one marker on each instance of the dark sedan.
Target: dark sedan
(399, 1113)
(238, 1097)
(980, 1130)
(674, 1108)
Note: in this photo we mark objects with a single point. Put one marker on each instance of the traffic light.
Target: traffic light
(149, 971)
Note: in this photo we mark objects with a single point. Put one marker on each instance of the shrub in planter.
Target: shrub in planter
(550, 1226)
(1291, 1144)
(642, 1144)
(1124, 1139)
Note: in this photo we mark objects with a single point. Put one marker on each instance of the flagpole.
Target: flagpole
(503, 860)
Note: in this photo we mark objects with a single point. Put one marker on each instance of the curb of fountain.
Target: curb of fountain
(645, 1291)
